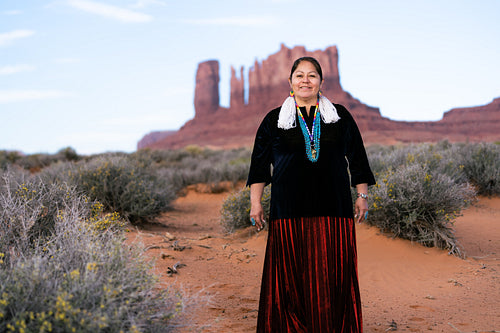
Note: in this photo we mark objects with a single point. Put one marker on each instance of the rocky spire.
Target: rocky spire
(206, 94)
(237, 89)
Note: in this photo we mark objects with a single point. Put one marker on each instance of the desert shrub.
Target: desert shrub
(204, 171)
(31, 208)
(194, 165)
(75, 274)
(142, 185)
(67, 154)
(185, 157)
(179, 168)
(381, 157)
(36, 162)
(59, 172)
(8, 158)
(481, 165)
(36, 206)
(420, 204)
(476, 163)
(235, 209)
(440, 157)
(125, 186)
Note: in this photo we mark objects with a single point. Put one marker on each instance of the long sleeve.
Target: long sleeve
(359, 167)
(260, 165)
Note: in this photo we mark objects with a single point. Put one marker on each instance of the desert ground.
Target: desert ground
(405, 287)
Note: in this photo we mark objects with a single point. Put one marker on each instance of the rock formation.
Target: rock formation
(152, 138)
(237, 97)
(268, 86)
(206, 94)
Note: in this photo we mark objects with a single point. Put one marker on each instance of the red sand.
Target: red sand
(403, 285)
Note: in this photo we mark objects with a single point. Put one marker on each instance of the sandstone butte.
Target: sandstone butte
(220, 127)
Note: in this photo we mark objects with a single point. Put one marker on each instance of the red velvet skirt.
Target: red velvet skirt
(310, 279)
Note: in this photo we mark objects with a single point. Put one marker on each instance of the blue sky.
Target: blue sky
(98, 75)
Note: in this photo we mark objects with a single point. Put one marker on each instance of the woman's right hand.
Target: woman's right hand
(256, 210)
(257, 215)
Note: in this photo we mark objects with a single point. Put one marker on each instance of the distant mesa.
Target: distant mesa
(235, 126)
(153, 137)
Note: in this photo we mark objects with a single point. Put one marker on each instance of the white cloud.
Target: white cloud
(145, 3)
(13, 69)
(11, 96)
(241, 21)
(12, 12)
(7, 37)
(113, 12)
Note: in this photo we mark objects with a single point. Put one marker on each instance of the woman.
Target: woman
(310, 282)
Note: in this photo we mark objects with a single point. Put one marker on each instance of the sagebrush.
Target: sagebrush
(235, 211)
(123, 185)
(481, 165)
(420, 204)
(64, 266)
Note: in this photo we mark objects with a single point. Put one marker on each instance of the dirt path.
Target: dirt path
(403, 285)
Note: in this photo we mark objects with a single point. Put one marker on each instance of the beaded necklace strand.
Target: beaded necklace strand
(311, 138)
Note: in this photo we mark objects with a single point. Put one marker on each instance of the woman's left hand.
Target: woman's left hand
(360, 210)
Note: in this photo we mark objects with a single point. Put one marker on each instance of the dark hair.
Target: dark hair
(312, 61)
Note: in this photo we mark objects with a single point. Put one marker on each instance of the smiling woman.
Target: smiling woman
(310, 281)
(305, 83)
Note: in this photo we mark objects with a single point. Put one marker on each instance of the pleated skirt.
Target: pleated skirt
(310, 278)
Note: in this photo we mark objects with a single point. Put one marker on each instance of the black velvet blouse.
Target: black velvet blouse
(301, 188)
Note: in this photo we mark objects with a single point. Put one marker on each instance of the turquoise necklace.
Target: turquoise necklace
(311, 138)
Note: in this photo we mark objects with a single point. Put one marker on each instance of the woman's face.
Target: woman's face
(305, 83)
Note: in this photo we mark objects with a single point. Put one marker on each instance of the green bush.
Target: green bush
(125, 186)
(476, 163)
(8, 158)
(59, 172)
(178, 168)
(74, 274)
(30, 208)
(194, 165)
(417, 203)
(142, 185)
(481, 165)
(235, 209)
(36, 162)
(440, 157)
